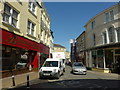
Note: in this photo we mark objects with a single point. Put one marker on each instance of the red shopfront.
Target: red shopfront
(19, 53)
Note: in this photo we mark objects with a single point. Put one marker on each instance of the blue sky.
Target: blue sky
(68, 18)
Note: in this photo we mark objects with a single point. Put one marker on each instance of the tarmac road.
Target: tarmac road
(68, 80)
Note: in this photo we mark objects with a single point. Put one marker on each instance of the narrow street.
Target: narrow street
(68, 80)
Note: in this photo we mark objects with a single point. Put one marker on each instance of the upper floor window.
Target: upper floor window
(93, 24)
(104, 37)
(31, 28)
(32, 6)
(111, 34)
(118, 34)
(10, 15)
(109, 16)
(94, 39)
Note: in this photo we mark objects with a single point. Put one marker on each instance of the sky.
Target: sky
(68, 18)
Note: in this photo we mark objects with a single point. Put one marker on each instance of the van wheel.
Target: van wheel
(58, 75)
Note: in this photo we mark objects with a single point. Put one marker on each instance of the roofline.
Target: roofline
(80, 35)
(101, 13)
(43, 7)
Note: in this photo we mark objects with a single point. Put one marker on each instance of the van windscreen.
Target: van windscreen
(51, 64)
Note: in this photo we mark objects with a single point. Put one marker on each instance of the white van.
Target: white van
(60, 55)
(51, 67)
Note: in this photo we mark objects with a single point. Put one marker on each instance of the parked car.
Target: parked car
(79, 68)
(52, 67)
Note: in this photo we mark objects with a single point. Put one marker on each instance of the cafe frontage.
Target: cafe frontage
(19, 54)
(106, 58)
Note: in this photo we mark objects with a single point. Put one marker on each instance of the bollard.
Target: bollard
(28, 81)
(13, 80)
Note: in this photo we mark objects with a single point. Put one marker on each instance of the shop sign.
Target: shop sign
(21, 42)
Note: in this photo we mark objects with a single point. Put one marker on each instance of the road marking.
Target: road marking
(55, 80)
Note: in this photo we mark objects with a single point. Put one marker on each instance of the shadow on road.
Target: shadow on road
(79, 83)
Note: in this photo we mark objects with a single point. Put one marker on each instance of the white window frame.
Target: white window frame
(31, 28)
(31, 7)
(111, 34)
(109, 16)
(104, 37)
(11, 16)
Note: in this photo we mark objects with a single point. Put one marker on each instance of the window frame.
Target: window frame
(30, 28)
(104, 37)
(111, 34)
(109, 16)
(11, 17)
(118, 35)
(93, 24)
(31, 8)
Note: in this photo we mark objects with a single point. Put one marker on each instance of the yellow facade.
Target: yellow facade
(25, 14)
(61, 49)
(45, 26)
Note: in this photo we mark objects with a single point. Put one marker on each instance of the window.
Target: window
(109, 16)
(31, 6)
(93, 24)
(104, 37)
(10, 15)
(31, 28)
(118, 34)
(111, 34)
(93, 39)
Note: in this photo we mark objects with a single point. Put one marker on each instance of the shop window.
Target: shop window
(13, 58)
(109, 58)
(22, 63)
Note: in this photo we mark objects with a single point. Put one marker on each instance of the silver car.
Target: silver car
(79, 68)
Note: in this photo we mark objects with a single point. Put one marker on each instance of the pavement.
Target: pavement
(19, 79)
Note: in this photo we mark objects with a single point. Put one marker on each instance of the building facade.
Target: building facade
(103, 40)
(60, 48)
(80, 47)
(22, 36)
